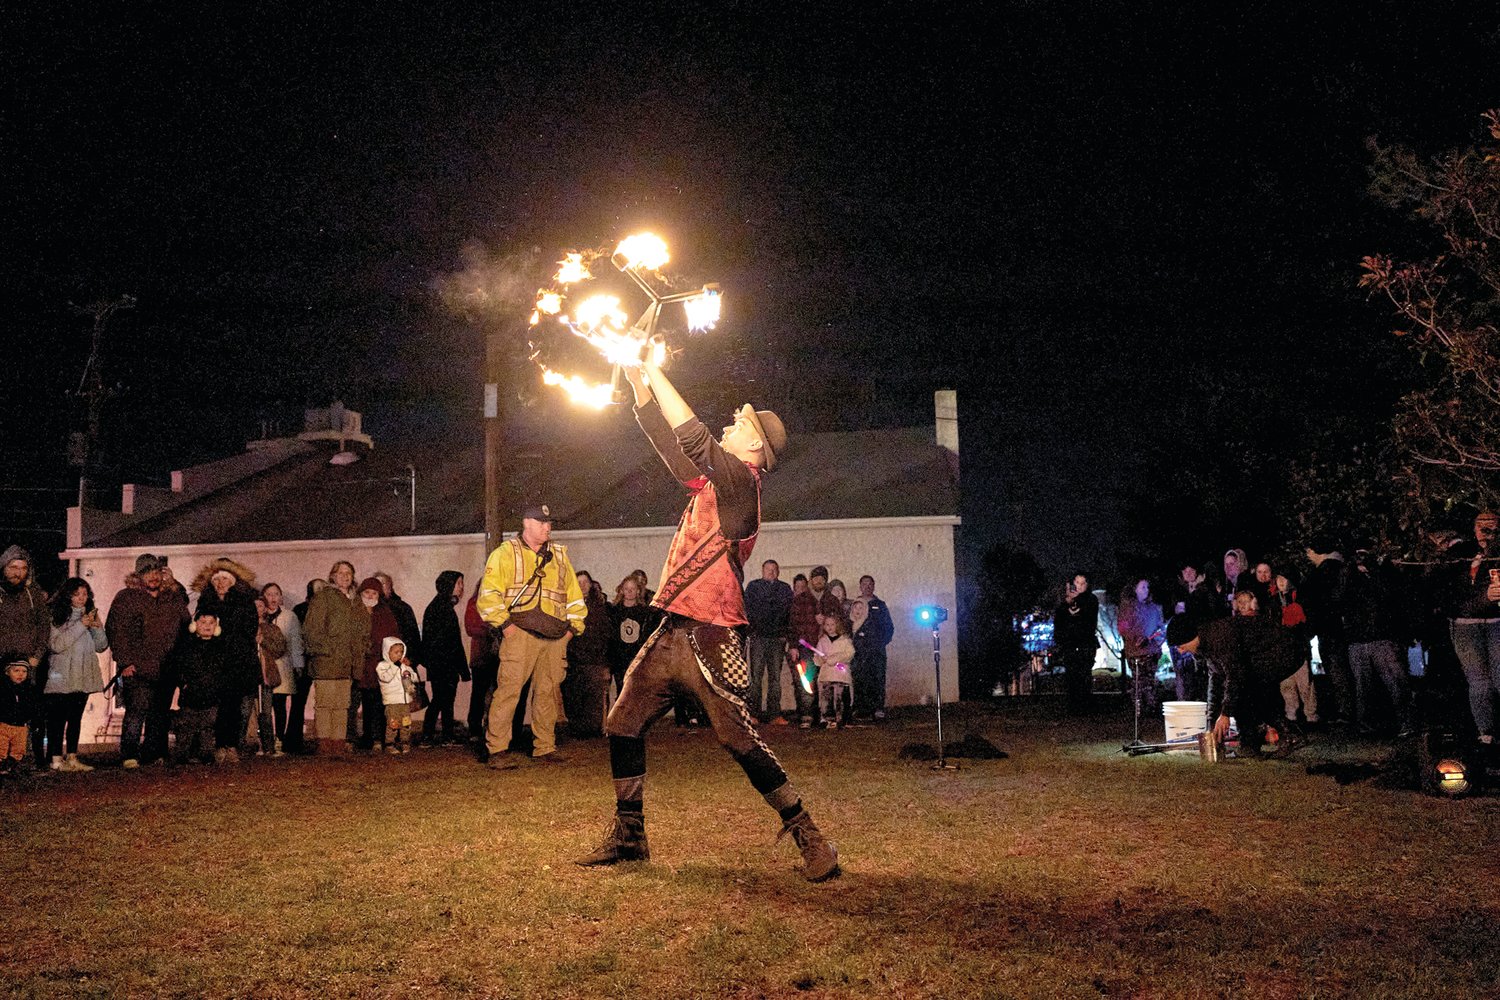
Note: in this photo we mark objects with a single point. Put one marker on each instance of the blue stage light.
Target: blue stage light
(931, 616)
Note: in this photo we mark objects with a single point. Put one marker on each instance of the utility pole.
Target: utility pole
(92, 389)
(494, 431)
(505, 329)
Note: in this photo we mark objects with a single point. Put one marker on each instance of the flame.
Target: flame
(571, 270)
(702, 310)
(600, 312)
(643, 250)
(549, 302)
(597, 395)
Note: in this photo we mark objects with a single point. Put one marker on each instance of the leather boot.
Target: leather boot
(820, 858)
(624, 840)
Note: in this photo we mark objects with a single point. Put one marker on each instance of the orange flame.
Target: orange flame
(644, 250)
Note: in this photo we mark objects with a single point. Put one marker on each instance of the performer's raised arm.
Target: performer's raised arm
(648, 413)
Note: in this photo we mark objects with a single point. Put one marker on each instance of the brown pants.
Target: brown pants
(12, 742)
(524, 657)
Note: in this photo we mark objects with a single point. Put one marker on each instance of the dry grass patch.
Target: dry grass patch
(1067, 870)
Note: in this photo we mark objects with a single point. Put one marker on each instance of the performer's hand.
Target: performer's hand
(1493, 593)
(1221, 727)
(128, 671)
(636, 376)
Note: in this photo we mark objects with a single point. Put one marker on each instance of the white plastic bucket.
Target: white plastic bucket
(1184, 720)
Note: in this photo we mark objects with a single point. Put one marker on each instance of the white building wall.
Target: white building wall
(911, 559)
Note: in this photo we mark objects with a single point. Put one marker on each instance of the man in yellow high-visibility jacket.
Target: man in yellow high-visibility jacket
(531, 594)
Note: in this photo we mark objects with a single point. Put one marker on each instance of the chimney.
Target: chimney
(945, 402)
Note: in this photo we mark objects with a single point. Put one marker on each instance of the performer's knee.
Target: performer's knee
(763, 770)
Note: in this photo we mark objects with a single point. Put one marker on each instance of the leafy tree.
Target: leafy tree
(1446, 431)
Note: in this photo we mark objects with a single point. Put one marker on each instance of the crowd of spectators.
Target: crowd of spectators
(223, 666)
(1248, 633)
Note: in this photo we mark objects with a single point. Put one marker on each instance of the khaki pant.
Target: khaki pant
(331, 708)
(1298, 689)
(523, 656)
(12, 742)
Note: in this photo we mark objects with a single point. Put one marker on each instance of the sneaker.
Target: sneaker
(406, 750)
(820, 858)
(805, 724)
(130, 763)
(231, 755)
(57, 764)
(879, 715)
(503, 762)
(394, 751)
(780, 720)
(624, 840)
(830, 724)
(74, 764)
(552, 758)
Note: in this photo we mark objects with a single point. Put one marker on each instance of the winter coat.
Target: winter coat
(391, 676)
(803, 622)
(197, 665)
(1322, 596)
(383, 625)
(1075, 624)
(590, 648)
(1469, 582)
(25, 618)
(241, 627)
(1245, 653)
(142, 629)
(878, 619)
(442, 639)
(291, 664)
(483, 640)
(768, 605)
(335, 635)
(18, 702)
(73, 665)
(837, 654)
(270, 646)
(406, 622)
(869, 647)
(1140, 625)
(1369, 609)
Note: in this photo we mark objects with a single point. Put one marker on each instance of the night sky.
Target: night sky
(1129, 239)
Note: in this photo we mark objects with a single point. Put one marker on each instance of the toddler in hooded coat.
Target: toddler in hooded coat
(397, 679)
(18, 706)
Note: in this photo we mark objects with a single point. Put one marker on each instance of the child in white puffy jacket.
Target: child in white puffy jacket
(396, 681)
(835, 654)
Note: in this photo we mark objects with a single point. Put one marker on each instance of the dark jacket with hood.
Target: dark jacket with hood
(25, 618)
(239, 622)
(406, 621)
(589, 649)
(442, 640)
(142, 628)
(18, 702)
(198, 668)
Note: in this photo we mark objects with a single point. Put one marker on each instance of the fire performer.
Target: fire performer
(699, 649)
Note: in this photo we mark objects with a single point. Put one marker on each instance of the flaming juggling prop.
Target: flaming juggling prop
(600, 321)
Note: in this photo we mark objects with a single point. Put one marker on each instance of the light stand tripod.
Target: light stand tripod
(943, 763)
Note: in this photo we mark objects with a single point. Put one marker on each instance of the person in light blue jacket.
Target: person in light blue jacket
(72, 669)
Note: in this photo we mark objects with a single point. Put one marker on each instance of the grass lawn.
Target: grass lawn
(1067, 870)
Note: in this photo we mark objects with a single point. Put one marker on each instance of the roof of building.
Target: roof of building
(611, 479)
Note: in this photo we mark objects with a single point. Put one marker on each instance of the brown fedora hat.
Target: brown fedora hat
(770, 430)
